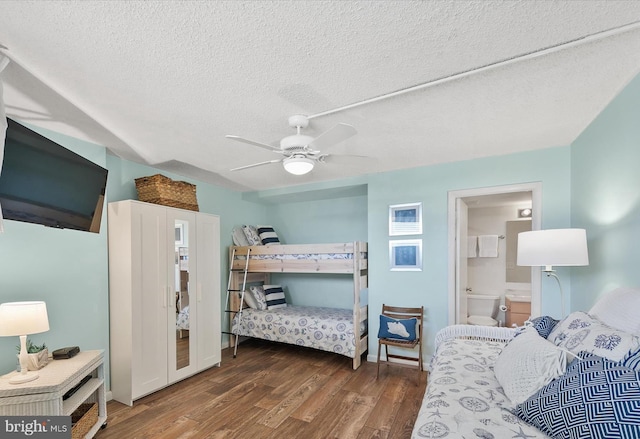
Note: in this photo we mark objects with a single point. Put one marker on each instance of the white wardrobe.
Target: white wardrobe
(164, 296)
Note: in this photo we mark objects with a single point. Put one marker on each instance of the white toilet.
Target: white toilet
(482, 309)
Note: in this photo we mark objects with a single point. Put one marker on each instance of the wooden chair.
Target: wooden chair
(397, 312)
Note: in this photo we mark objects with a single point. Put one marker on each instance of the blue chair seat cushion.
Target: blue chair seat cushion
(397, 329)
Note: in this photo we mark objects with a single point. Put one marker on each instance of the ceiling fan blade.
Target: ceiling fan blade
(346, 159)
(256, 164)
(332, 136)
(253, 142)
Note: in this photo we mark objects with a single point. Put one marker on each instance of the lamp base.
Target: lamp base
(24, 378)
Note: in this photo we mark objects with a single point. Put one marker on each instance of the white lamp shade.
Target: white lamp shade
(561, 247)
(23, 318)
(298, 165)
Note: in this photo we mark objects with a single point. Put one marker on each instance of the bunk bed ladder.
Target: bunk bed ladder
(238, 312)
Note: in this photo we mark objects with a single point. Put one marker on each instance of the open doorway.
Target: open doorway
(484, 215)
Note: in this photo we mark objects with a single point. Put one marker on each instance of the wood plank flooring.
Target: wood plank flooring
(273, 390)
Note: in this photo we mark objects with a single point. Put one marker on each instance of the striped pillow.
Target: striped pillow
(267, 235)
(632, 360)
(275, 296)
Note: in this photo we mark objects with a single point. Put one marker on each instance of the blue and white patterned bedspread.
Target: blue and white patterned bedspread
(464, 399)
(327, 329)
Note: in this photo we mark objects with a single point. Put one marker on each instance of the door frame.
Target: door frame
(536, 219)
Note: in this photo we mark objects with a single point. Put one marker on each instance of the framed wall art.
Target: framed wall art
(405, 255)
(405, 219)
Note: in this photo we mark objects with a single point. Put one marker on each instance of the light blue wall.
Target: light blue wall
(430, 185)
(606, 198)
(64, 268)
(319, 221)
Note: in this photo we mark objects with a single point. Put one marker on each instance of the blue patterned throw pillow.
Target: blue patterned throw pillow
(595, 398)
(581, 332)
(274, 296)
(544, 325)
(399, 329)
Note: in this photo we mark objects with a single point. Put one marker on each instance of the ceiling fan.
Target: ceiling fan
(301, 152)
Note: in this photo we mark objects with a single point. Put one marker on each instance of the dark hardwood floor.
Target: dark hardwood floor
(273, 390)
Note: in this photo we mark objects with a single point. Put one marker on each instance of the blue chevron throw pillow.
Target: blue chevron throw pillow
(544, 325)
(595, 398)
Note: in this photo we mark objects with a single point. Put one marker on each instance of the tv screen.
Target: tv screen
(42, 182)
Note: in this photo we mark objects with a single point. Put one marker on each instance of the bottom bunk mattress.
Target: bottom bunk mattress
(326, 329)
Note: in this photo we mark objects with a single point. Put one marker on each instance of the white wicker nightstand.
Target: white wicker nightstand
(44, 396)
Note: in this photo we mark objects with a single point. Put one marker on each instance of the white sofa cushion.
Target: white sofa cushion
(528, 363)
(619, 309)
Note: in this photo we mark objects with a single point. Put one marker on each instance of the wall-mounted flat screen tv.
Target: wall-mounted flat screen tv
(42, 182)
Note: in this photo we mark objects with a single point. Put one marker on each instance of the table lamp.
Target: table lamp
(22, 319)
(546, 248)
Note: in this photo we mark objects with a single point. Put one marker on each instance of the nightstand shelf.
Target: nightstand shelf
(45, 396)
(82, 395)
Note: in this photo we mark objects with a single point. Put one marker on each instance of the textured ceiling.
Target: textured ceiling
(162, 82)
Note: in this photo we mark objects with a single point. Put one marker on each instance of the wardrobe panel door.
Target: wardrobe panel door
(208, 291)
(149, 299)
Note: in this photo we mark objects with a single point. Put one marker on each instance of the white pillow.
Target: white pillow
(581, 332)
(251, 233)
(239, 238)
(528, 363)
(258, 295)
(619, 309)
(250, 300)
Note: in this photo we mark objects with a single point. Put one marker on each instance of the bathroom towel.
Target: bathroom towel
(488, 246)
(472, 245)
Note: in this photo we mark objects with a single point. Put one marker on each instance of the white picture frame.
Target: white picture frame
(405, 219)
(405, 255)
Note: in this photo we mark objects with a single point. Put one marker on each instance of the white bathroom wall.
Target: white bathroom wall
(487, 275)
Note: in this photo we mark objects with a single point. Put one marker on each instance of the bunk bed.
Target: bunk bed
(346, 328)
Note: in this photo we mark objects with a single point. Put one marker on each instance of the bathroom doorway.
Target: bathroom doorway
(484, 214)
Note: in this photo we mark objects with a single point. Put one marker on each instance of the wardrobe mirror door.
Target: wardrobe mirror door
(182, 293)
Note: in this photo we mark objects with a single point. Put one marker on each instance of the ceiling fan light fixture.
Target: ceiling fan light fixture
(298, 165)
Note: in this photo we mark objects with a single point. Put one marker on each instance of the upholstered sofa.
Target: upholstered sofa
(578, 377)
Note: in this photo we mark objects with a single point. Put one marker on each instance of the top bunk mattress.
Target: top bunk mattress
(304, 258)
